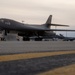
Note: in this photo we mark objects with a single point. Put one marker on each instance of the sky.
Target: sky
(37, 12)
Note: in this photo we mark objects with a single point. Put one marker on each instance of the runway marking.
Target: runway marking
(31, 55)
(68, 70)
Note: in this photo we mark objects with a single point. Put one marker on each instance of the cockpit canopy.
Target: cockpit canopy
(1, 20)
(5, 21)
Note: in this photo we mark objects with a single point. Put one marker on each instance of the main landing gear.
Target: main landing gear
(35, 39)
(26, 39)
(38, 39)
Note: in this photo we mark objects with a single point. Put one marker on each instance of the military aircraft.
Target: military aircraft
(28, 30)
(65, 38)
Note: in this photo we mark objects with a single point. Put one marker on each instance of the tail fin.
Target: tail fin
(48, 22)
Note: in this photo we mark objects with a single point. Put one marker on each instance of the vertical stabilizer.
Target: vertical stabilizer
(48, 22)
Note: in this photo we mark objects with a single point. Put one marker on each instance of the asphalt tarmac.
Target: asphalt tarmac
(36, 65)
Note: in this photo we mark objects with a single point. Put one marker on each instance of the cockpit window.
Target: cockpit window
(2, 21)
(7, 22)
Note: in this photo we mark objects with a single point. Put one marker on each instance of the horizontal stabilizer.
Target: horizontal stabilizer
(60, 30)
(59, 25)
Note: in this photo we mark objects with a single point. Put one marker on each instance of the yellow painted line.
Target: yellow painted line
(68, 70)
(31, 55)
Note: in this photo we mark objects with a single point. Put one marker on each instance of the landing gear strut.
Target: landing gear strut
(2, 39)
(26, 39)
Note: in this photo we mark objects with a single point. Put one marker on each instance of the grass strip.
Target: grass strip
(68, 70)
(32, 55)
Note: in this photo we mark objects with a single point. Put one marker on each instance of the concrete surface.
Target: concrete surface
(7, 47)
